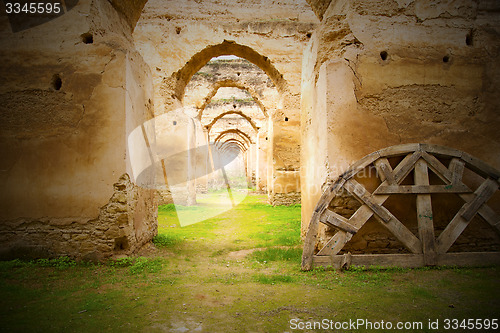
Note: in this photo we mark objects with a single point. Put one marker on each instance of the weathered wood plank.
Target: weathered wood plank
(456, 168)
(405, 166)
(402, 233)
(334, 220)
(490, 216)
(440, 150)
(422, 189)
(370, 260)
(410, 260)
(312, 231)
(437, 167)
(385, 170)
(464, 215)
(310, 242)
(484, 192)
(357, 220)
(360, 165)
(335, 244)
(481, 167)
(360, 192)
(392, 223)
(424, 215)
(399, 150)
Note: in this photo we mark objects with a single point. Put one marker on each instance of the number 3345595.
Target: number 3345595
(32, 8)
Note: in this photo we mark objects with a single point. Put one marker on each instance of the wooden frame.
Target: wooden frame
(425, 249)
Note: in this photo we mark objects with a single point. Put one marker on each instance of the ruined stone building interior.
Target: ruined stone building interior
(115, 107)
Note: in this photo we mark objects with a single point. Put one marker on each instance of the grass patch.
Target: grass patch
(146, 265)
(272, 279)
(278, 254)
(167, 240)
(212, 282)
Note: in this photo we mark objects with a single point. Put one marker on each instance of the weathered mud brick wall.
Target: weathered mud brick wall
(73, 89)
(381, 73)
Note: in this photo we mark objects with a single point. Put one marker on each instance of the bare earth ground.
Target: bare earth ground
(236, 272)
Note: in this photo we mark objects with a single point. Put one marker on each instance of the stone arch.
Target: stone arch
(232, 84)
(241, 146)
(246, 138)
(181, 78)
(222, 115)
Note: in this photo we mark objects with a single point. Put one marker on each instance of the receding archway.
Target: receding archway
(237, 132)
(222, 115)
(233, 84)
(178, 80)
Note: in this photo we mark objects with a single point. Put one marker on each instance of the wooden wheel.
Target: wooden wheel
(426, 249)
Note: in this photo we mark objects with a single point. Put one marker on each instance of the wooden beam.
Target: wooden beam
(465, 215)
(410, 260)
(360, 165)
(364, 196)
(402, 233)
(334, 220)
(457, 170)
(382, 214)
(385, 170)
(335, 244)
(405, 166)
(480, 167)
(440, 150)
(490, 216)
(424, 215)
(399, 150)
(422, 189)
(483, 194)
(437, 167)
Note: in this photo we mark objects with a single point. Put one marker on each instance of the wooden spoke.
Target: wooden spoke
(339, 222)
(457, 170)
(335, 244)
(405, 166)
(422, 189)
(465, 215)
(425, 217)
(385, 171)
(364, 197)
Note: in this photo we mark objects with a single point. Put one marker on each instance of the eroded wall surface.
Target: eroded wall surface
(73, 89)
(382, 73)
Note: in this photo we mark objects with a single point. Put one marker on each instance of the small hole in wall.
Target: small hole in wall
(234, 106)
(238, 73)
(286, 118)
(308, 35)
(174, 122)
(56, 82)
(121, 243)
(383, 55)
(178, 30)
(446, 59)
(87, 38)
(266, 137)
(468, 39)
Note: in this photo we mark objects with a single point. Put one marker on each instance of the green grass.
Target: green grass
(278, 254)
(238, 271)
